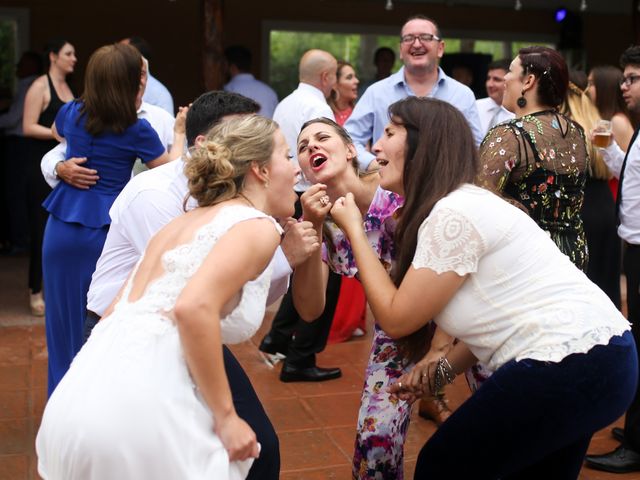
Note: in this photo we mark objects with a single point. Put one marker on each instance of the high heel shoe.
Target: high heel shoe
(434, 408)
(36, 303)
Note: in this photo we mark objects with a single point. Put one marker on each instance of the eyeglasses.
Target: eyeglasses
(423, 37)
(630, 80)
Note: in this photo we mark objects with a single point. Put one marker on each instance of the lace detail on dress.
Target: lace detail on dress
(448, 241)
(181, 262)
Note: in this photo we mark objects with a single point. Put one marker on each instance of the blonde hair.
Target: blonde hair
(582, 110)
(217, 168)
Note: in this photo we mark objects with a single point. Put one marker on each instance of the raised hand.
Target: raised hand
(315, 204)
(346, 214)
(299, 242)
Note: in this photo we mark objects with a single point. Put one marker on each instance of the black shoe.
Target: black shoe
(291, 373)
(618, 434)
(621, 460)
(269, 345)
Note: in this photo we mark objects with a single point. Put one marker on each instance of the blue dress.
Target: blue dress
(78, 224)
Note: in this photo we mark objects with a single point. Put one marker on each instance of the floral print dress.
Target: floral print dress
(383, 421)
(540, 161)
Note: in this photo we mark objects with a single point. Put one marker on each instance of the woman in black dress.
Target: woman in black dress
(44, 98)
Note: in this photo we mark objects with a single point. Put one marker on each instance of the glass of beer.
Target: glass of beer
(602, 134)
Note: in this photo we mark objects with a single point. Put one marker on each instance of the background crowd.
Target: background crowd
(388, 211)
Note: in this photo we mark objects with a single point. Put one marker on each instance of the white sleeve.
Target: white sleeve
(279, 276)
(613, 156)
(448, 241)
(49, 162)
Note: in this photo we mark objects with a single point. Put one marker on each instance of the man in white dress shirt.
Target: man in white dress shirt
(243, 82)
(150, 201)
(490, 109)
(289, 334)
(626, 458)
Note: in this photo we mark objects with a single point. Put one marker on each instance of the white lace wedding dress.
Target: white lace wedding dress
(128, 408)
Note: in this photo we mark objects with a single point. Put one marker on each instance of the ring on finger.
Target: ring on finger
(324, 200)
(400, 385)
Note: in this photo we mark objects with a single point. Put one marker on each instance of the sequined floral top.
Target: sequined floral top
(540, 161)
(379, 225)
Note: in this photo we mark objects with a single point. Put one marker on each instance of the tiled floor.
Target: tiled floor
(315, 422)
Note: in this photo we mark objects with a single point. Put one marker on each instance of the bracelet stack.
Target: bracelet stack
(443, 375)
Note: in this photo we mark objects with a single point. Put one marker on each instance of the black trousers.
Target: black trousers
(37, 191)
(248, 407)
(631, 265)
(305, 339)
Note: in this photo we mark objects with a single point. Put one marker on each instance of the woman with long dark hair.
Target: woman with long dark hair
(103, 127)
(485, 273)
(45, 97)
(603, 87)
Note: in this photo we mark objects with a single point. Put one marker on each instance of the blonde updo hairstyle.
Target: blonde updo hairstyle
(217, 169)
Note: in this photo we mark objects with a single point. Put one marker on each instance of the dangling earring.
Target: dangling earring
(266, 184)
(521, 101)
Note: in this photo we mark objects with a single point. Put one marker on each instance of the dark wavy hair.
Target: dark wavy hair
(440, 156)
(53, 45)
(550, 69)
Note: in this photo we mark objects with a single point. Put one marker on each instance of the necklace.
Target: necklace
(246, 200)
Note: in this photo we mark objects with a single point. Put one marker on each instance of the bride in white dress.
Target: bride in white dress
(147, 396)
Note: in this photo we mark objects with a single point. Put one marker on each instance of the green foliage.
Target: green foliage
(287, 47)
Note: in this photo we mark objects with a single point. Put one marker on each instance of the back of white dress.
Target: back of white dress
(127, 408)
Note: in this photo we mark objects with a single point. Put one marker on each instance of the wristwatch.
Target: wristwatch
(55, 168)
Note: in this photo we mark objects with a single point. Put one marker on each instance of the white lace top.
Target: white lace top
(181, 263)
(523, 297)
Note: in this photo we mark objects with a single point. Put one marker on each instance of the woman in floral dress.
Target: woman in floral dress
(326, 155)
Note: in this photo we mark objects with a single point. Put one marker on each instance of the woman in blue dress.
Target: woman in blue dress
(103, 127)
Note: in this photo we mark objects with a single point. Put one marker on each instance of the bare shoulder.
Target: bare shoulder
(259, 230)
(40, 84)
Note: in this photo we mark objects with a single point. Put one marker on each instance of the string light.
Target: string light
(389, 5)
(583, 5)
(518, 6)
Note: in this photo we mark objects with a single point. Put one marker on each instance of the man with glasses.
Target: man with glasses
(421, 48)
(626, 458)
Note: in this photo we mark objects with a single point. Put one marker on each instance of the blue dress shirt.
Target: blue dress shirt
(371, 115)
(247, 85)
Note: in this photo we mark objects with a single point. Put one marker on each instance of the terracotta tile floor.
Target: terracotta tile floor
(315, 422)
